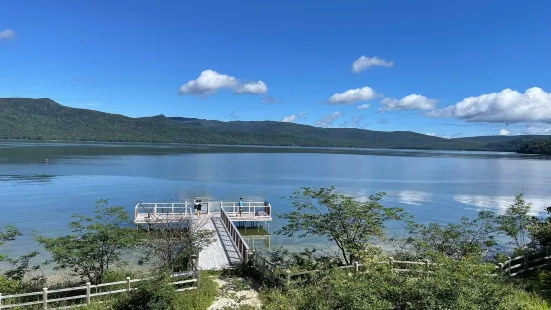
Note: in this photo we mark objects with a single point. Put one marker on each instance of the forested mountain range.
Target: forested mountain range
(44, 119)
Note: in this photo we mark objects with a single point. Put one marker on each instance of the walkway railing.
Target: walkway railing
(514, 266)
(236, 238)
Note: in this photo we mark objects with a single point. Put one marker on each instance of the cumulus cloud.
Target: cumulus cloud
(538, 129)
(328, 120)
(210, 81)
(364, 106)
(258, 87)
(364, 63)
(293, 117)
(504, 132)
(353, 95)
(508, 106)
(7, 34)
(409, 102)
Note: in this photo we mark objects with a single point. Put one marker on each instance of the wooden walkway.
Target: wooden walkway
(222, 253)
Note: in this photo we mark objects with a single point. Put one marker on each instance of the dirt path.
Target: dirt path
(235, 292)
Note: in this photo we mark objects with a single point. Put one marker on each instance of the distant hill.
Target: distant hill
(44, 119)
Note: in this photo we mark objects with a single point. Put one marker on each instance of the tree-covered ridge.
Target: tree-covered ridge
(536, 147)
(44, 119)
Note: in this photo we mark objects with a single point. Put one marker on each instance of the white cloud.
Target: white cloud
(364, 63)
(210, 81)
(432, 134)
(409, 102)
(353, 95)
(538, 129)
(293, 117)
(252, 88)
(364, 106)
(328, 120)
(508, 106)
(7, 34)
(504, 132)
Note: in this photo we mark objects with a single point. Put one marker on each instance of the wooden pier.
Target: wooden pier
(230, 248)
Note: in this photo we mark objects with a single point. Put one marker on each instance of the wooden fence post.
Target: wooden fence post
(45, 298)
(509, 265)
(525, 262)
(0, 300)
(391, 261)
(128, 284)
(500, 267)
(87, 293)
(427, 262)
(288, 277)
(356, 267)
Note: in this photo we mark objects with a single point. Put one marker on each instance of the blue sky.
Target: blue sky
(292, 60)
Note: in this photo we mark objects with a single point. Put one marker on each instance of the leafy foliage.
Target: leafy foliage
(540, 146)
(516, 222)
(149, 295)
(353, 225)
(171, 246)
(467, 239)
(455, 285)
(95, 245)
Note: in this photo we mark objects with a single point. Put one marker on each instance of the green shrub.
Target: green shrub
(454, 285)
(149, 295)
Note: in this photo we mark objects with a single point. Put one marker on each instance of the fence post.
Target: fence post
(45, 298)
(427, 262)
(391, 262)
(0, 300)
(356, 267)
(500, 267)
(87, 293)
(128, 284)
(155, 210)
(509, 265)
(288, 277)
(547, 256)
(198, 276)
(525, 262)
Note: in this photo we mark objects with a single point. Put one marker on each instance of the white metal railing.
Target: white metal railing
(168, 210)
(86, 292)
(236, 238)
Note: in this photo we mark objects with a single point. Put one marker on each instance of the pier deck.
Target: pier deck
(230, 248)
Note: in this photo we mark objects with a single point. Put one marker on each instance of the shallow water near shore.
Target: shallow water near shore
(42, 184)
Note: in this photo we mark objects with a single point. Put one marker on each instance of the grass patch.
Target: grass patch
(202, 297)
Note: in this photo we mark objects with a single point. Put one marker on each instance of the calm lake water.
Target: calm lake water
(435, 186)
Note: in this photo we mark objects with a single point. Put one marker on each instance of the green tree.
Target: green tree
(171, 246)
(7, 233)
(469, 238)
(516, 222)
(353, 225)
(96, 243)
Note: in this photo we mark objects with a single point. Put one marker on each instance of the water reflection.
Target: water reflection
(499, 204)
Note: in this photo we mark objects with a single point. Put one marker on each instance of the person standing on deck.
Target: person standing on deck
(240, 204)
(197, 206)
(267, 208)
